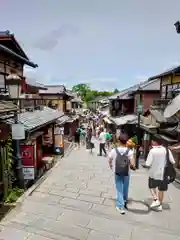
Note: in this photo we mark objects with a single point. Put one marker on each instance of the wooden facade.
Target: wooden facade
(12, 58)
(168, 85)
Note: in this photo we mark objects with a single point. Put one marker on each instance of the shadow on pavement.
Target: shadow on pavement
(138, 207)
(165, 205)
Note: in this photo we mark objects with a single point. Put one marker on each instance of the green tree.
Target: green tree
(87, 94)
(82, 89)
(116, 90)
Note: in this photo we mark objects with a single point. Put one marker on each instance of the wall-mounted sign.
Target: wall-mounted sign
(29, 173)
(27, 153)
(18, 132)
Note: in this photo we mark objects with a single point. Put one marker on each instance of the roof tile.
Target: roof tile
(31, 120)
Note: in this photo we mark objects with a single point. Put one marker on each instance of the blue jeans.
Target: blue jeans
(122, 188)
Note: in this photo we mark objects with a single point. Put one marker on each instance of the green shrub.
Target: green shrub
(13, 195)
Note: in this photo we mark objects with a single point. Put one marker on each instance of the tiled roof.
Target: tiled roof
(54, 89)
(7, 34)
(145, 86)
(32, 82)
(32, 120)
(7, 106)
(167, 72)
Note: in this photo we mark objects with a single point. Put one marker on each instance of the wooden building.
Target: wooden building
(12, 58)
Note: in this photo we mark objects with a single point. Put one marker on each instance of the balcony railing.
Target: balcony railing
(160, 104)
(161, 101)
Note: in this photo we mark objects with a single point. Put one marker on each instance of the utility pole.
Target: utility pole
(177, 26)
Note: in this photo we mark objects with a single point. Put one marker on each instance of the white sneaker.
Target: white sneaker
(121, 211)
(159, 208)
(155, 203)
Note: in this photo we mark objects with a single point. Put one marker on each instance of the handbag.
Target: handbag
(92, 145)
(169, 170)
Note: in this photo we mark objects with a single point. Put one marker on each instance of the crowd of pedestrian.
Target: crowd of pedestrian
(121, 154)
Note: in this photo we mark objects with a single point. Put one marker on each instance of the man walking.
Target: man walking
(158, 182)
(102, 142)
(120, 160)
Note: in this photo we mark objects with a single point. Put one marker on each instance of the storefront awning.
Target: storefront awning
(37, 119)
(107, 120)
(127, 119)
(63, 120)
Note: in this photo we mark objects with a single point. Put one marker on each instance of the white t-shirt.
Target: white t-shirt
(156, 160)
(121, 150)
(102, 137)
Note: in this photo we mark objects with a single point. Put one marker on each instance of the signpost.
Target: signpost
(139, 111)
(140, 108)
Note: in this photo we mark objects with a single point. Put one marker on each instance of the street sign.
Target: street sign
(140, 108)
(28, 173)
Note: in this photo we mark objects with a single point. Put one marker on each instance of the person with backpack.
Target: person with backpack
(121, 159)
(160, 163)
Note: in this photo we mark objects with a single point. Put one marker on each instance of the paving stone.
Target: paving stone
(104, 211)
(95, 235)
(44, 233)
(90, 192)
(72, 216)
(73, 190)
(45, 197)
(42, 209)
(25, 218)
(153, 233)
(113, 227)
(73, 185)
(64, 193)
(77, 204)
(13, 234)
(79, 184)
(68, 229)
(109, 195)
(110, 202)
(38, 237)
(91, 199)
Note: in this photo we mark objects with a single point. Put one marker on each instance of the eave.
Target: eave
(17, 56)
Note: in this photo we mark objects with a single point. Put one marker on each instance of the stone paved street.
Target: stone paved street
(77, 202)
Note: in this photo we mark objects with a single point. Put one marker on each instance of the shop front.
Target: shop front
(38, 147)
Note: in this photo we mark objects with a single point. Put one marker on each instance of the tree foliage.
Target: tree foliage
(87, 94)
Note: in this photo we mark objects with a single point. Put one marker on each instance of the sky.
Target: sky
(106, 43)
